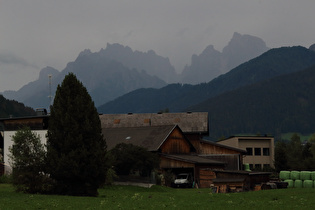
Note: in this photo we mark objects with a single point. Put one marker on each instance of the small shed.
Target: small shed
(229, 185)
(246, 180)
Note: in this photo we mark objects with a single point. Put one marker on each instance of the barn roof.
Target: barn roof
(150, 138)
(190, 122)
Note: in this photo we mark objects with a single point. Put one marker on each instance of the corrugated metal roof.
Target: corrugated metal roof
(194, 159)
(228, 180)
(190, 122)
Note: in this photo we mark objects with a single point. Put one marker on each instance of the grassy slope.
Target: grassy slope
(128, 197)
(287, 136)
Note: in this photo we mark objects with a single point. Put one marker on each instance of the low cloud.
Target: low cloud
(8, 59)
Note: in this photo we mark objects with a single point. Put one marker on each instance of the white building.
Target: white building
(8, 128)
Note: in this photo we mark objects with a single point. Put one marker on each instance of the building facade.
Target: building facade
(9, 126)
(259, 149)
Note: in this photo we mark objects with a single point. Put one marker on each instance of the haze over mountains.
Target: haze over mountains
(117, 70)
(212, 63)
(267, 91)
(177, 97)
(272, 94)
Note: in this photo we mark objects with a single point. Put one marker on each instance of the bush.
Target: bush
(128, 158)
(28, 161)
(6, 179)
(110, 176)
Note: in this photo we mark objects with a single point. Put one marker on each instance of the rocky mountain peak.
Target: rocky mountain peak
(153, 64)
(46, 71)
(115, 48)
(242, 48)
(211, 63)
(85, 52)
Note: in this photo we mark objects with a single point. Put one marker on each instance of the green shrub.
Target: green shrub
(27, 156)
(5, 179)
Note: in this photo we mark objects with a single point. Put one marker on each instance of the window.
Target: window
(257, 166)
(251, 166)
(257, 151)
(266, 152)
(266, 166)
(249, 151)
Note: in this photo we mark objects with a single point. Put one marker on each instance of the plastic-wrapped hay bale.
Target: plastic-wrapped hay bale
(246, 167)
(305, 175)
(308, 184)
(298, 183)
(313, 175)
(295, 175)
(290, 183)
(284, 175)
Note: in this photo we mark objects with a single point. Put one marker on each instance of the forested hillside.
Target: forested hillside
(279, 105)
(13, 108)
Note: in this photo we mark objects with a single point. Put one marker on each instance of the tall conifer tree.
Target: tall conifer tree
(76, 149)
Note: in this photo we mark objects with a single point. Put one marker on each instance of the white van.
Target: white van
(183, 180)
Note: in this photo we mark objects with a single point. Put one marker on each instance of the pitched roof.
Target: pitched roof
(190, 122)
(150, 138)
(223, 146)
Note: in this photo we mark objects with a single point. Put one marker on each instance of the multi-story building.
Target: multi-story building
(260, 149)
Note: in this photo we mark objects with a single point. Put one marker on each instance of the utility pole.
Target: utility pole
(50, 96)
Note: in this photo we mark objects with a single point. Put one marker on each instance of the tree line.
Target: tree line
(294, 154)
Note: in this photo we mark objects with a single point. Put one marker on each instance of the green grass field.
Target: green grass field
(157, 197)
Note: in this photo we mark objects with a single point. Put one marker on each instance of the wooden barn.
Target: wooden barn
(175, 150)
(177, 138)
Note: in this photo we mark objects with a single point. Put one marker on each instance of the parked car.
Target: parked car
(183, 180)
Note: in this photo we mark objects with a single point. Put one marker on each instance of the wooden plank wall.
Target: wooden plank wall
(33, 123)
(170, 163)
(176, 144)
(205, 178)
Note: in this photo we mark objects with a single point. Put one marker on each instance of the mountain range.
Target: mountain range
(212, 63)
(117, 70)
(271, 92)
(104, 78)
(177, 97)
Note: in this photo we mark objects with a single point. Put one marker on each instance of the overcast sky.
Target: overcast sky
(39, 33)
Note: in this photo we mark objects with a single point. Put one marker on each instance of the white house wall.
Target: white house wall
(7, 142)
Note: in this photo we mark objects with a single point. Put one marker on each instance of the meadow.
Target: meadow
(158, 197)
